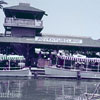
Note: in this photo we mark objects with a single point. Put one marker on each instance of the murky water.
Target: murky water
(16, 88)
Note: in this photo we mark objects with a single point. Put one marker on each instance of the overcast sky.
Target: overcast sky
(66, 17)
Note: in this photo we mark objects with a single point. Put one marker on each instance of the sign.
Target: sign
(58, 40)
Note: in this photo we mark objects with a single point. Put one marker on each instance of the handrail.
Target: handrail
(92, 97)
(95, 91)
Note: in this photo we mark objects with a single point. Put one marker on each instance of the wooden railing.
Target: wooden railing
(17, 22)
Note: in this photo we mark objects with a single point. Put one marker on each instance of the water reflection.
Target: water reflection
(11, 87)
(45, 89)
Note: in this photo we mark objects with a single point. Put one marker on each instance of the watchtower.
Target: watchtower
(23, 21)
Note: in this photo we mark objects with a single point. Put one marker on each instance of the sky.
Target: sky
(65, 17)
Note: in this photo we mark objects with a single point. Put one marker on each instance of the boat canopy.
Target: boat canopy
(11, 57)
(80, 59)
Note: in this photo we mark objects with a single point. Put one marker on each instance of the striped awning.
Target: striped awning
(1, 55)
(4, 57)
(80, 59)
(12, 57)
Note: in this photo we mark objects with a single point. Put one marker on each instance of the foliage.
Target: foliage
(1, 3)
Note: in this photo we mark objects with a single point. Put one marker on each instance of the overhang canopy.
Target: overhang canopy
(23, 9)
(54, 41)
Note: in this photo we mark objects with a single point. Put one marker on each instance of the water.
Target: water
(24, 88)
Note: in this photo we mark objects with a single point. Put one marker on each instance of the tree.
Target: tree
(1, 3)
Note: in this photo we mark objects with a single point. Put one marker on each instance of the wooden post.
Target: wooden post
(98, 66)
(64, 63)
(27, 50)
(8, 87)
(9, 65)
(71, 64)
(74, 90)
(86, 66)
(63, 92)
(56, 60)
(20, 64)
(86, 89)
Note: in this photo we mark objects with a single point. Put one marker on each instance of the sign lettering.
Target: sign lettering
(58, 40)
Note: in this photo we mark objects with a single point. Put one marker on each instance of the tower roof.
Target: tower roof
(24, 10)
(24, 7)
